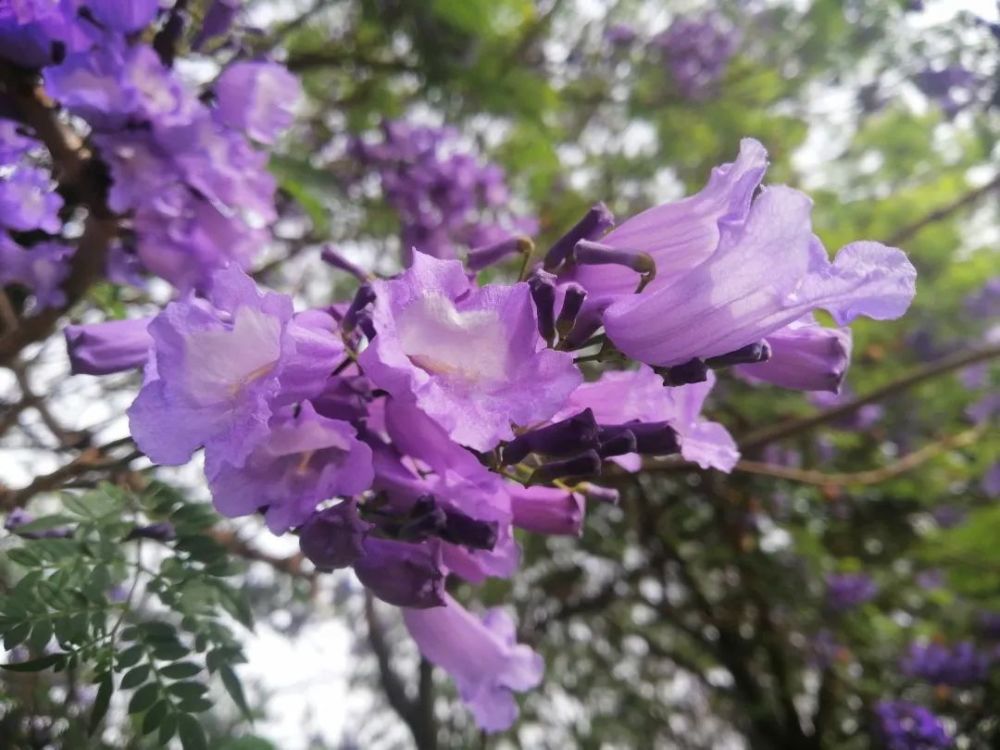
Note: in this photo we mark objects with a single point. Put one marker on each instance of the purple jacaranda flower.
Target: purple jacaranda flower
(28, 201)
(744, 291)
(984, 303)
(112, 346)
(805, 356)
(948, 516)
(930, 579)
(697, 51)
(258, 98)
(218, 19)
(13, 143)
(678, 236)
(216, 372)
(470, 357)
(960, 665)
(951, 87)
(639, 395)
(620, 35)
(303, 460)
(991, 481)
(334, 537)
(546, 510)
(403, 573)
(161, 531)
(907, 726)
(481, 655)
(988, 625)
(124, 17)
(34, 33)
(90, 85)
(18, 518)
(41, 268)
(849, 590)
(445, 196)
(455, 479)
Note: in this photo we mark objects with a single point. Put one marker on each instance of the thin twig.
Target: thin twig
(870, 476)
(762, 437)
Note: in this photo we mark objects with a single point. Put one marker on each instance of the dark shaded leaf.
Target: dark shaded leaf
(101, 702)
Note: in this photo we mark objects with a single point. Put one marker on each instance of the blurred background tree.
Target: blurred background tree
(841, 589)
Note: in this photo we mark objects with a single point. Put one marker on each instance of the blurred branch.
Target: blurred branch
(871, 476)
(292, 565)
(79, 180)
(421, 726)
(91, 459)
(762, 437)
(944, 212)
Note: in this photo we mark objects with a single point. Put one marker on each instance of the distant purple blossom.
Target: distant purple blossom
(445, 196)
(907, 726)
(958, 665)
(697, 51)
(849, 590)
(952, 87)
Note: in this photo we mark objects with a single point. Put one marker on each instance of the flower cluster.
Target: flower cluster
(697, 51)
(908, 726)
(408, 432)
(446, 198)
(32, 253)
(952, 88)
(960, 665)
(849, 590)
(181, 160)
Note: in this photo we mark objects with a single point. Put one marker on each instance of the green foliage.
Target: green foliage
(149, 620)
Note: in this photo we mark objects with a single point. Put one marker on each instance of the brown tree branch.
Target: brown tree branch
(762, 437)
(870, 476)
(939, 214)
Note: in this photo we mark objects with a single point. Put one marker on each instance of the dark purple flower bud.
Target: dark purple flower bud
(692, 371)
(18, 518)
(334, 537)
(584, 465)
(365, 323)
(566, 438)
(595, 254)
(362, 298)
(104, 348)
(162, 531)
(404, 574)
(331, 257)
(587, 324)
(750, 354)
(218, 19)
(601, 494)
(543, 294)
(573, 298)
(651, 438)
(547, 510)
(595, 223)
(123, 17)
(426, 518)
(468, 531)
(481, 257)
(620, 444)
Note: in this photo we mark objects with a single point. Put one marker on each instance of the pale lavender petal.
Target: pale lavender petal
(482, 657)
(805, 356)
